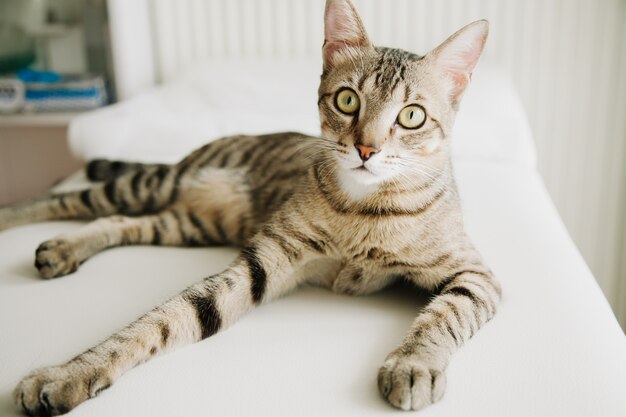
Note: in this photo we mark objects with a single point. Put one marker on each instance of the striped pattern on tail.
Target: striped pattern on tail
(105, 170)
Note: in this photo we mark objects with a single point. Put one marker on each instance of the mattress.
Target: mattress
(553, 349)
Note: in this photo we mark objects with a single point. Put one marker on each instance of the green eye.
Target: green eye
(412, 117)
(347, 101)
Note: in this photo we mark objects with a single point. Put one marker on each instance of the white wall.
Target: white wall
(619, 186)
(133, 55)
(567, 58)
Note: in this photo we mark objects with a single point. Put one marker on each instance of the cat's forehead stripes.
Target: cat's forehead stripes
(391, 68)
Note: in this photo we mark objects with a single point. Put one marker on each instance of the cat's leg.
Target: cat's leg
(264, 270)
(413, 374)
(143, 191)
(173, 227)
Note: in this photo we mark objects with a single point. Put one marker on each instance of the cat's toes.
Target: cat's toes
(56, 390)
(55, 258)
(408, 383)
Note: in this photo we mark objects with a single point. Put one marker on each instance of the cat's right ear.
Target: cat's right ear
(344, 32)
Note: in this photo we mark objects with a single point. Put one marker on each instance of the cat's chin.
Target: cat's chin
(358, 182)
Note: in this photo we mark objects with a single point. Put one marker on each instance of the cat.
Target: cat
(371, 201)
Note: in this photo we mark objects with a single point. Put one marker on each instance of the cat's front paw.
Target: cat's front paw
(58, 389)
(410, 383)
(55, 258)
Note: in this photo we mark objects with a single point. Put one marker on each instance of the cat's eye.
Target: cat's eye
(347, 101)
(412, 117)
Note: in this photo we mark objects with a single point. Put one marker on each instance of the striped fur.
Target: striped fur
(304, 210)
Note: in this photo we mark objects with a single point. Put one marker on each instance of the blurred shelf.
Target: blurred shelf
(52, 119)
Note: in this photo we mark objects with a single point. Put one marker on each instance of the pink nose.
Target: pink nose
(365, 152)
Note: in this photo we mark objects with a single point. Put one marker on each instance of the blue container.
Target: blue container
(54, 92)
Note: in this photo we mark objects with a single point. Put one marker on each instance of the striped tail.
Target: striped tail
(142, 191)
(105, 170)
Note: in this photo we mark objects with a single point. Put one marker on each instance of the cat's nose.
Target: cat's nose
(365, 152)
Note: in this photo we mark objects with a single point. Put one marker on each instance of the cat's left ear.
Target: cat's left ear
(343, 32)
(459, 54)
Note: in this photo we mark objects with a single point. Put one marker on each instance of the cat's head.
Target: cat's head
(387, 112)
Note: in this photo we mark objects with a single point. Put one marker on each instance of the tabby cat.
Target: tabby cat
(371, 201)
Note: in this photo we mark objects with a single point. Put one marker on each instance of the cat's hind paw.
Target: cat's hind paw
(55, 258)
(353, 280)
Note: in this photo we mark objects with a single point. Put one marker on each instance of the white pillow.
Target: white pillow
(223, 98)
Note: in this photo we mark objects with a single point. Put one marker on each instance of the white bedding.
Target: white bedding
(554, 348)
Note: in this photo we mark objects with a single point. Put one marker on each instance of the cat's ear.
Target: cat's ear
(343, 31)
(459, 54)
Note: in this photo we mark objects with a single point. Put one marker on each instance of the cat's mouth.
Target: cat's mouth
(363, 169)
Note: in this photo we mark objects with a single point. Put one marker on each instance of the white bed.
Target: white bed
(554, 348)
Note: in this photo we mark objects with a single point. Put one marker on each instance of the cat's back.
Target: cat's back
(265, 170)
(259, 154)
